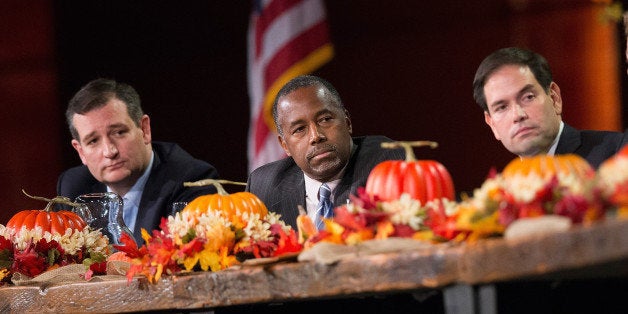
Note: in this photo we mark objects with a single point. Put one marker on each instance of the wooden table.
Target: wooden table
(455, 270)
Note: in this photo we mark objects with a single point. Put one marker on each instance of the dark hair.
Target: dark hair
(509, 56)
(96, 94)
(306, 81)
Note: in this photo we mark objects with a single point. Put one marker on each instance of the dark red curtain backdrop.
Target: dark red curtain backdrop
(403, 68)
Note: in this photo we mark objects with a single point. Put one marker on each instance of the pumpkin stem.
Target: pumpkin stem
(56, 200)
(217, 183)
(407, 146)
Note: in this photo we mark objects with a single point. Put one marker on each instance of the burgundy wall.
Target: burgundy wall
(30, 155)
(403, 68)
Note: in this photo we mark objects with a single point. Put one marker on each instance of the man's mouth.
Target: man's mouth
(522, 131)
(115, 166)
(320, 153)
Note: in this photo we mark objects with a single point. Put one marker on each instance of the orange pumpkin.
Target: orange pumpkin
(546, 166)
(423, 180)
(53, 222)
(119, 256)
(229, 204)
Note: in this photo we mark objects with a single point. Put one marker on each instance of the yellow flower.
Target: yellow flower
(384, 229)
(359, 236)
(146, 236)
(219, 236)
(190, 261)
(209, 259)
(424, 235)
(3, 273)
(227, 260)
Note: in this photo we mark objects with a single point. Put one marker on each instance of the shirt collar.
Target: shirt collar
(552, 149)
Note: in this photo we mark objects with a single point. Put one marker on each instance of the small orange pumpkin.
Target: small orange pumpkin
(47, 220)
(546, 166)
(232, 205)
(53, 222)
(119, 256)
(423, 180)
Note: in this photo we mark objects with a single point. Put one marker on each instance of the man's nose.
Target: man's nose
(315, 134)
(110, 150)
(518, 112)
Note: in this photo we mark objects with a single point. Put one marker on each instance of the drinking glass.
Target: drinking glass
(104, 211)
(177, 207)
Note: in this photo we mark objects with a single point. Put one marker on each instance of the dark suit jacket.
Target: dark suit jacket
(172, 166)
(281, 186)
(594, 146)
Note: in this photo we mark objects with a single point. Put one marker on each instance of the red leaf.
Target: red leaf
(129, 247)
(99, 268)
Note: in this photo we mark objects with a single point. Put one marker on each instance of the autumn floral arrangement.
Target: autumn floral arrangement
(402, 198)
(563, 185)
(417, 203)
(36, 241)
(366, 217)
(213, 232)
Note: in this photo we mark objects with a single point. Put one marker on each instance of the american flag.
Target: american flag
(286, 38)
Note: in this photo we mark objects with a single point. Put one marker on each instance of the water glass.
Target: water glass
(104, 211)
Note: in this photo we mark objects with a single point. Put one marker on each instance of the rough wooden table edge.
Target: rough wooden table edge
(433, 268)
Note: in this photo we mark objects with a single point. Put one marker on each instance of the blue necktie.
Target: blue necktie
(325, 208)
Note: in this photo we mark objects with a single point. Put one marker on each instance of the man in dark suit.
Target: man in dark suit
(315, 131)
(113, 138)
(523, 105)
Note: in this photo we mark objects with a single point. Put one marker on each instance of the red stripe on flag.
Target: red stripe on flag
(298, 48)
(261, 130)
(273, 10)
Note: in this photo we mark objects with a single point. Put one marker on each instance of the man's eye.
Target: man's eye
(499, 108)
(298, 130)
(529, 97)
(326, 119)
(119, 132)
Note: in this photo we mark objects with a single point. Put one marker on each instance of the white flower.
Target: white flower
(404, 211)
(611, 174)
(256, 229)
(72, 241)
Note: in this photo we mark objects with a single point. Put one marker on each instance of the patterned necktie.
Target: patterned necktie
(325, 207)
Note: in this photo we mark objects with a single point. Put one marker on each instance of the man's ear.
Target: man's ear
(79, 149)
(145, 126)
(348, 121)
(489, 121)
(283, 144)
(557, 99)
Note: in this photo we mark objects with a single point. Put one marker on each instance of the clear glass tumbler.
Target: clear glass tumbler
(104, 211)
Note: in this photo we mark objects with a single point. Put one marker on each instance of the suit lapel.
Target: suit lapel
(569, 141)
(150, 202)
(289, 194)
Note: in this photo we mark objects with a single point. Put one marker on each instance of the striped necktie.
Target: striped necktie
(325, 207)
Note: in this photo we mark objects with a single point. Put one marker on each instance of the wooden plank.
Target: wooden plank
(435, 267)
(582, 246)
(428, 268)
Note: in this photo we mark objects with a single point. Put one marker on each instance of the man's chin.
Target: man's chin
(114, 178)
(528, 152)
(325, 170)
